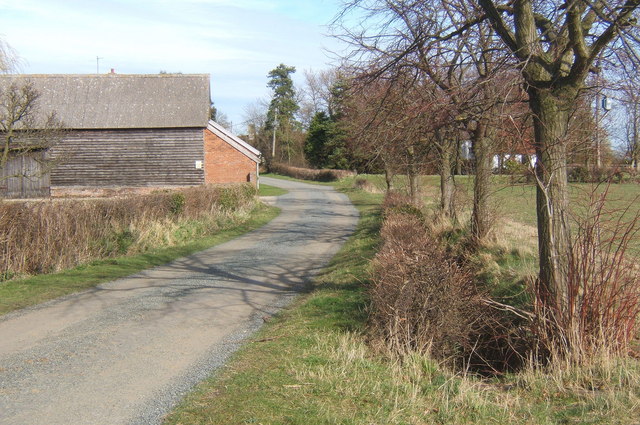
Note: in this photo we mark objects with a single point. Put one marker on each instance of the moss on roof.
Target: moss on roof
(121, 101)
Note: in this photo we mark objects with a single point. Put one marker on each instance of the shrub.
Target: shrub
(423, 301)
(513, 167)
(579, 174)
(398, 203)
(124, 240)
(44, 236)
(177, 203)
(366, 185)
(310, 174)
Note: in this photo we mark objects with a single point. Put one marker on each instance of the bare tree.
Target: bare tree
(223, 120)
(317, 90)
(27, 134)
(488, 87)
(255, 116)
(459, 71)
(391, 45)
(555, 44)
(9, 59)
(387, 123)
(27, 137)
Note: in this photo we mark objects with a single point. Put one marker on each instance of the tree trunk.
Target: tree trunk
(412, 174)
(447, 187)
(635, 137)
(413, 186)
(458, 159)
(551, 111)
(483, 154)
(388, 178)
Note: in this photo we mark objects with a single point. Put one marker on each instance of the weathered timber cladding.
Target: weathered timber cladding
(129, 157)
(25, 176)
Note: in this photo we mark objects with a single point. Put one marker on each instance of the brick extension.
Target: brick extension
(225, 162)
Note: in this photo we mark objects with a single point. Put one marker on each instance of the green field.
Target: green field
(517, 201)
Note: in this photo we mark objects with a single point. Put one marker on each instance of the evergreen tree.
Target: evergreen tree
(282, 110)
(316, 145)
(325, 143)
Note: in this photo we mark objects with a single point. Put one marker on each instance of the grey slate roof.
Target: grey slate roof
(121, 101)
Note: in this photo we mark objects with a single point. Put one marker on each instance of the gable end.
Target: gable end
(234, 141)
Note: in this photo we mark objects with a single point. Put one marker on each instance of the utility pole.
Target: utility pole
(98, 64)
(602, 102)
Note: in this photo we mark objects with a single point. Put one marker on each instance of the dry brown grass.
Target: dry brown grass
(45, 236)
(513, 235)
(424, 301)
(416, 389)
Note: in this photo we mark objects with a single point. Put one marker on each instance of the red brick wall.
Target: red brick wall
(224, 164)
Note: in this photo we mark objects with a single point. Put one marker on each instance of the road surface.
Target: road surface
(128, 350)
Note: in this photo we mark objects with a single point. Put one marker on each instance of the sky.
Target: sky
(237, 42)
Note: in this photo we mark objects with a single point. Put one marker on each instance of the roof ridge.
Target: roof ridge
(105, 75)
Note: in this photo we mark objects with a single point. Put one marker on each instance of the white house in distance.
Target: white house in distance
(466, 153)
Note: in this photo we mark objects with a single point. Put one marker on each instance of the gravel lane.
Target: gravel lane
(128, 350)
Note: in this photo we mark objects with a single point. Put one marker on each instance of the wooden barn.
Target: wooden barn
(127, 133)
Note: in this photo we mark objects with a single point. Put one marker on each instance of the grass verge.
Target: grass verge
(312, 365)
(16, 294)
(266, 190)
(262, 383)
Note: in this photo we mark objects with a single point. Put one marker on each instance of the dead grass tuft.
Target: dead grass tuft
(511, 235)
(367, 186)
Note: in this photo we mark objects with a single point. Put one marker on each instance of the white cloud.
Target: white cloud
(236, 41)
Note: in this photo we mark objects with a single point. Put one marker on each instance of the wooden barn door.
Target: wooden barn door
(25, 176)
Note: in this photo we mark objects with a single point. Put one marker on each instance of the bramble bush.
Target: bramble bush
(423, 300)
(599, 316)
(429, 298)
